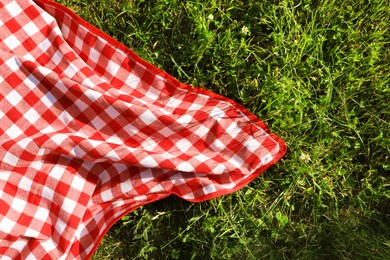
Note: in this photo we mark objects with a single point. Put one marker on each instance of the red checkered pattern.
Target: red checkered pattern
(89, 132)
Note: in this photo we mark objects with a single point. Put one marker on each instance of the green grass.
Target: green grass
(318, 73)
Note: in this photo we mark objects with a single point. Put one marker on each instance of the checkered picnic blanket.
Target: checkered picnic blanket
(89, 132)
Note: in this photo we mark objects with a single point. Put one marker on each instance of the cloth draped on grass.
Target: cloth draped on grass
(89, 132)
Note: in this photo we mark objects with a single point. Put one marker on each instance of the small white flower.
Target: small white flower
(245, 30)
(304, 157)
(210, 17)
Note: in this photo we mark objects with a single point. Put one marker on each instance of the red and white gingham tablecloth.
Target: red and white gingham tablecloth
(89, 132)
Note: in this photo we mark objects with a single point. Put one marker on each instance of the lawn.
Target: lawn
(318, 73)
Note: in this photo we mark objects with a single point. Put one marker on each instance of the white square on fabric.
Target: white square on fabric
(13, 63)
(104, 177)
(45, 45)
(184, 145)
(81, 105)
(58, 138)
(217, 114)
(32, 116)
(96, 143)
(166, 131)
(50, 245)
(177, 179)
(30, 233)
(217, 145)
(185, 167)
(57, 57)
(94, 55)
(126, 186)
(229, 185)
(174, 102)
(107, 195)
(44, 71)
(25, 183)
(114, 139)
(6, 225)
(18, 204)
(14, 132)
(78, 151)
(112, 112)
(132, 80)
(146, 176)
(188, 196)
(209, 189)
(31, 82)
(30, 28)
(219, 169)
(56, 31)
(71, 70)
(78, 183)
(233, 129)
(14, 97)
(148, 117)
(149, 144)
(195, 106)
(92, 94)
(88, 83)
(157, 188)
(113, 156)
(69, 205)
(65, 31)
(20, 244)
(202, 131)
(266, 159)
(41, 214)
(78, 43)
(237, 161)
(140, 198)
(152, 93)
(60, 226)
(201, 157)
(29, 57)
(47, 193)
(113, 68)
(148, 162)
(185, 120)
(48, 18)
(56, 172)
(13, 8)
(252, 144)
(48, 99)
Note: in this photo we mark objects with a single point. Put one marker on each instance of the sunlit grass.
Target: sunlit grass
(318, 73)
